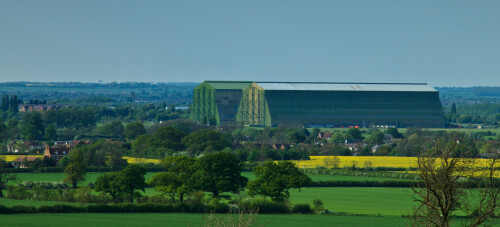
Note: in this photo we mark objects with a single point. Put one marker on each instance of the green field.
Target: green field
(12, 202)
(188, 220)
(92, 176)
(354, 200)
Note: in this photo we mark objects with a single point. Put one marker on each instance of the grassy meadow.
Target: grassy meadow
(174, 220)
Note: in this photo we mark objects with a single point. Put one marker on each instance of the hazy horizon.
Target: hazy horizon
(444, 44)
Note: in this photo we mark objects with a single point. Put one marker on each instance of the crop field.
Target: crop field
(59, 176)
(185, 220)
(316, 161)
(358, 200)
(376, 161)
(10, 158)
(92, 176)
(12, 202)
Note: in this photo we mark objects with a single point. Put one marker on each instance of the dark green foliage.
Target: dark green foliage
(133, 129)
(3, 130)
(318, 205)
(165, 137)
(263, 206)
(113, 129)
(177, 181)
(395, 133)
(274, 180)
(76, 169)
(50, 132)
(72, 117)
(111, 184)
(133, 179)
(376, 137)
(60, 208)
(18, 209)
(33, 128)
(122, 184)
(206, 139)
(219, 172)
(302, 209)
(353, 134)
(5, 176)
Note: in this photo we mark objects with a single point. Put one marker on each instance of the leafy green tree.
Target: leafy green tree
(112, 184)
(5, 176)
(76, 169)
(383, 150)
(219, 172)
(177, 181)
(50, 132)
(113, 129)
(169, 137)
(167, 183)
(115, 157)
(133, 179)
(337, 138)
(376, 137)
(274, 180)
(395, 133)
(3, 130)
(33, 128)
(5, 103)
(206, 138)
(133, 129)
(353, 134)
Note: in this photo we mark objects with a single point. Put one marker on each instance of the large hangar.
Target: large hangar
(317, 104)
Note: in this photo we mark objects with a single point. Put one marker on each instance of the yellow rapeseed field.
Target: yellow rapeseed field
(375, 161)
(134, 160)
(10, 158)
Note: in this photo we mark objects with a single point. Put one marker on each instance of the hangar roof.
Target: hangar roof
(346, 87)
(229, 84)
(324, 86)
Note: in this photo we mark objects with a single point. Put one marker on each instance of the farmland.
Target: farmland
(188, 220)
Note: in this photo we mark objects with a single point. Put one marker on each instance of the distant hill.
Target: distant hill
(469, 95)
(180, 93)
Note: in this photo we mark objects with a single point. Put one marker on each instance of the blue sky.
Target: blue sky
(443, 43)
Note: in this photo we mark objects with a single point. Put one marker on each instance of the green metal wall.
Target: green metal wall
(362, 108)
(253, 105)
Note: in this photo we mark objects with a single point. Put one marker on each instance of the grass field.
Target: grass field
(355, 200)
(92, 176)
(175, 220)
(59, 176)
(12, 202)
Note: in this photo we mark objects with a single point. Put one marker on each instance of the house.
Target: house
(57, 152)
(39, 107)
(33, 145)
(325, 135)
(12, 147)
(20, 161)
(280, 146)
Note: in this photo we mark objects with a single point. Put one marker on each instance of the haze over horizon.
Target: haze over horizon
(446, 43)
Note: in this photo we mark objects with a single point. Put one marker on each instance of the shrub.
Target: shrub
(302, 208)
(60, 208)
(263, 206)
(4, 209)
(318, 205)
(14, 192)
(22, 209)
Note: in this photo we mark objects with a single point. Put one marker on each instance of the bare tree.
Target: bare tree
(453, 180)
